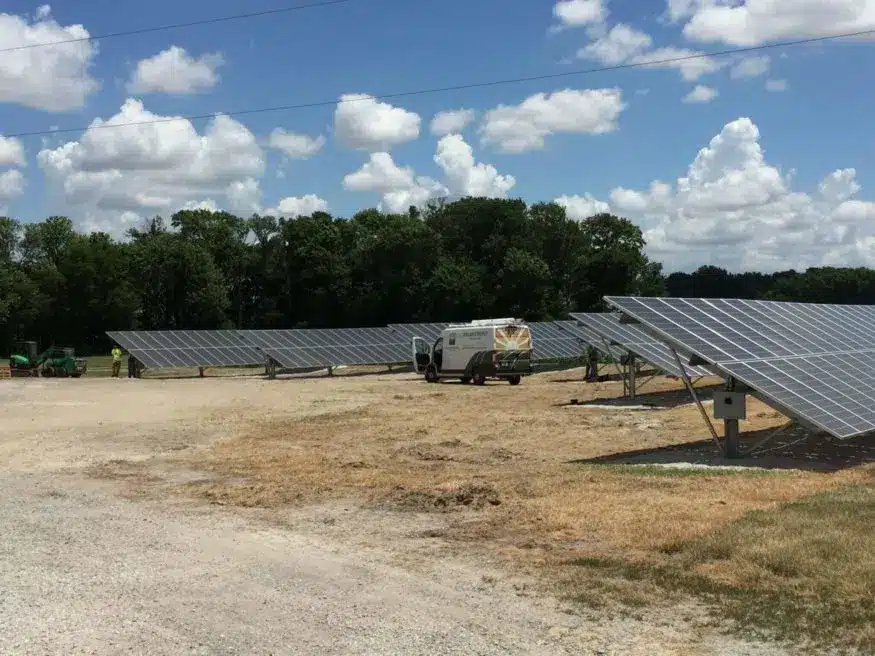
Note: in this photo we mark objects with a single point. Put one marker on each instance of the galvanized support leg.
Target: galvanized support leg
(201, 371)
(692, 390)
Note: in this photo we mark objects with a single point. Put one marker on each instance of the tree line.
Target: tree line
(451, 261)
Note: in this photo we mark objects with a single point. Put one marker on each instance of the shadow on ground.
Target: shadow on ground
(664, 400)
(794, 448)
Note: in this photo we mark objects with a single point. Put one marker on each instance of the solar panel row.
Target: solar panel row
(302, 349)
(309, 348)
(551, 342)
(814, 362)
(167, 349)
(635, 340)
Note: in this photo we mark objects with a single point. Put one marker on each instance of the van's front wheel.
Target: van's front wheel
(431, 375)
(515, 380)
(479, 378)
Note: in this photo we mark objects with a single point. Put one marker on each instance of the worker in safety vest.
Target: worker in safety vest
(116, 361)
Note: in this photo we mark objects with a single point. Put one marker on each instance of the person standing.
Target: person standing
(116, 361)
(592, 365)
(132, 366)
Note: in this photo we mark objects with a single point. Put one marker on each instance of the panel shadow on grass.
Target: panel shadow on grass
(661, 400)
(794, 448)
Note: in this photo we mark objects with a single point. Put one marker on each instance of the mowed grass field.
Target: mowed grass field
(620, 511)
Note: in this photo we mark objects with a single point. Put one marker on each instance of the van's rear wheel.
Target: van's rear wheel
(465, 380)
(515, 380)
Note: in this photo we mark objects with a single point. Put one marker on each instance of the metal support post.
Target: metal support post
(633, 371)
(616, 364)
(330, 371)
(692, 390)
(731, 438)
(200, 371)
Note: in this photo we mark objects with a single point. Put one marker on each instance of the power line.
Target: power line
(457, 87)
(174, 26)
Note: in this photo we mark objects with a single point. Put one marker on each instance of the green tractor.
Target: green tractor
(54, 362)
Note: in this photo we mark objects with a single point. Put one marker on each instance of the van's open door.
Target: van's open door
(421, 354)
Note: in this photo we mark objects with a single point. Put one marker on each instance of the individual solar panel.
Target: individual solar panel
(551, 342)
(427, 331)
(581, 332)
(305, 349)
(813, 362)
(169, 349)
(637, 341)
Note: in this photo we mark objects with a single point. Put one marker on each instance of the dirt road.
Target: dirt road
(85, 568)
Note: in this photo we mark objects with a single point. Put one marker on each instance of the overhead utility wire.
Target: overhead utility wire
(458, 87)
(175, 26)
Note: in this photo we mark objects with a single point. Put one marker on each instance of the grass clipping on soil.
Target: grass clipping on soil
(785, 551)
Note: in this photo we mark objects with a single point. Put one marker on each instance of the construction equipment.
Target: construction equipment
(54, 362)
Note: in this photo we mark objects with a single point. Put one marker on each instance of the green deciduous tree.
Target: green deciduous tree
(451, 261)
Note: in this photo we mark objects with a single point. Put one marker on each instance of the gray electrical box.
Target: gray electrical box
(730, 405)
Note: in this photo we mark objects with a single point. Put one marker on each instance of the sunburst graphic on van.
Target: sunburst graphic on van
(513, 338)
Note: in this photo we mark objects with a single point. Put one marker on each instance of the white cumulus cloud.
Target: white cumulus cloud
(54, 78)
(296, 146)
(174, 71)
(524, 127)
(466, 176)
(753, 22)
(294, 206)
(700, 94)
(11, 184)
(153, 166)
(11, 152)
(579, 208)
(691, 64)
(734, 209)
(399, 187)
(751, 67)
(576, 13)
(620, 44)
(451, 121)
(364, 123)
(623, 44)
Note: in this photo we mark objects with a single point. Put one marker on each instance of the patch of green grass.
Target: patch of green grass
(802, 572)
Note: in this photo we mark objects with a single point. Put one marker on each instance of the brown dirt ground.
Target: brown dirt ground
(514, 471)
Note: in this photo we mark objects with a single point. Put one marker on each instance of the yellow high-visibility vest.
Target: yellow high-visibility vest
(116, 355)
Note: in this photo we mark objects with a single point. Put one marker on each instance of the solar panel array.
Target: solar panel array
(814, 362)
(318, 348)
(427, 331)
(637, 341)
(303, 349)
(583, 333)
(551, 342)
(168, 349)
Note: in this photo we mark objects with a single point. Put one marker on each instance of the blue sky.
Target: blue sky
(819, 125)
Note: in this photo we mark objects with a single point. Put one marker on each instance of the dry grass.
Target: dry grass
(505, 463)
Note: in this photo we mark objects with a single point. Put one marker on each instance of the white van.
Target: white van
(488, 348)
